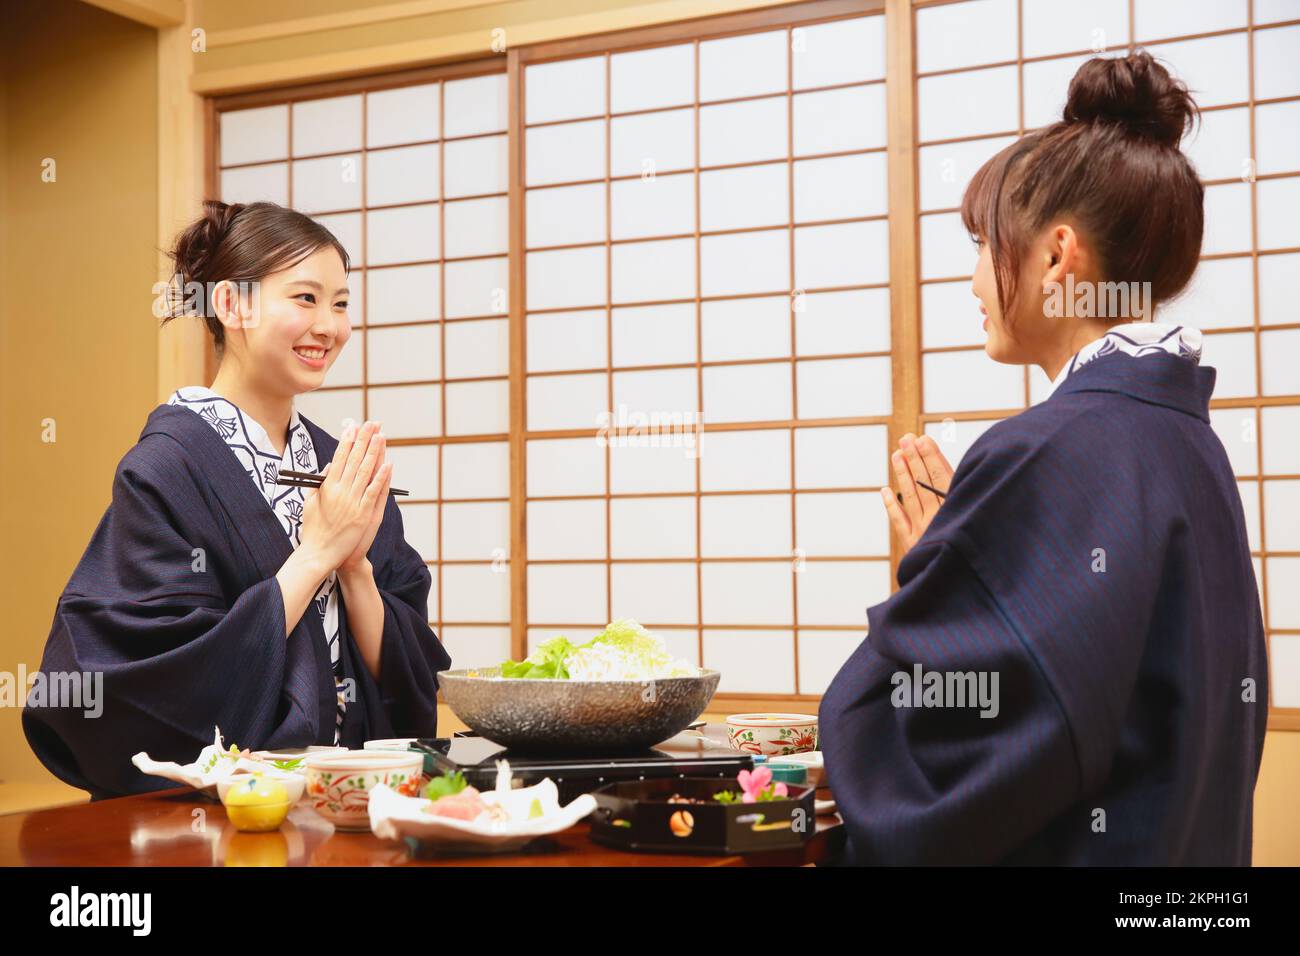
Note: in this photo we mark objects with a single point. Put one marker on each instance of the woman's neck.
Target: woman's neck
(1060, 351)
(272, 412)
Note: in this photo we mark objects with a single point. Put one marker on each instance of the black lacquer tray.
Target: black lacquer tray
(476, 758)
(637, 815)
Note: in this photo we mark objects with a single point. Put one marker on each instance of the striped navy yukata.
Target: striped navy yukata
(176, 604)
(250, 443)
(1092, 552)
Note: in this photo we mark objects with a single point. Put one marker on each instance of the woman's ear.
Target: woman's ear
(1061, 254)
(233, 309)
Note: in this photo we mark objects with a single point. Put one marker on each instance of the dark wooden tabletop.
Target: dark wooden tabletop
(184, 828)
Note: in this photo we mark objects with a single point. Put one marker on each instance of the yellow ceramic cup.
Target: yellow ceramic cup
(258, 805)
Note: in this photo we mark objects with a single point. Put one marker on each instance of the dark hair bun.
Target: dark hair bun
(1134, 91)
(194, 249)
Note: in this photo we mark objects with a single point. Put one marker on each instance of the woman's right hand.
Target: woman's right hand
(912, 508)
(336, 515)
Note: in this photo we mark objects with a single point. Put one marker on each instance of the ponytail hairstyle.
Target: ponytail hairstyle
(238, 243)
(1112, 164)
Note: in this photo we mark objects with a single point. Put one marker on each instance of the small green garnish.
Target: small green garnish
(766, 795)
(535, 810)
(445, 786)
(287, 764)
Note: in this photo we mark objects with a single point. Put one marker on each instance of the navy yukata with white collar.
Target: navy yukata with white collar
(175, 602)
(1092, 552)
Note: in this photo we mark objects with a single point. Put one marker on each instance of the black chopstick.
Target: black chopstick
(930, 488)
(444, 763)
(306, 479)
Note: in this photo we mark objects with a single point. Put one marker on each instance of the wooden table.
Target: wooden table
(183, 828)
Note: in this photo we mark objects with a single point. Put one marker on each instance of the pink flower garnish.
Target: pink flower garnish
(753, 783)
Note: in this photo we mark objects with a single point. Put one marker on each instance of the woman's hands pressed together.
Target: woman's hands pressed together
(917, 460)
(341, 517)
(339, 521)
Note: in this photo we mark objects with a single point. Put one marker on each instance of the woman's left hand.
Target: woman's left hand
(918, 459)
(357, 559)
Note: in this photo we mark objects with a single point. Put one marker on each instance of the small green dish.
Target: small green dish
(785, 772)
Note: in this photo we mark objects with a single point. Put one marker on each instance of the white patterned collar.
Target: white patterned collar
(256, 434)
(250, 441)
(1136, 338)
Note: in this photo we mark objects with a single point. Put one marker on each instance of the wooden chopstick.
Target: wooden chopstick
(306, 479)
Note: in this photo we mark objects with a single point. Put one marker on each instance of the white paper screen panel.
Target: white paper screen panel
(729, 258)
(425, 355)
(1239, 59)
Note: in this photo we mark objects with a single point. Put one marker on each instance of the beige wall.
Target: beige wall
(77, 261)
(251, 43)
(1277, 795)
(78, 342)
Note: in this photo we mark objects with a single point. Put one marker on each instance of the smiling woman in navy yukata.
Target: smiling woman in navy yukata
(1090, 553)
(210, 595)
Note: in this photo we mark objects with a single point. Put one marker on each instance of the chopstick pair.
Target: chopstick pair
(929, 488)
(306, 479)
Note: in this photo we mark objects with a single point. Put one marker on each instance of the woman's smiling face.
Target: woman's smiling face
(298, 325)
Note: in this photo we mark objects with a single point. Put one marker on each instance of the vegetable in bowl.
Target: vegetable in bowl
(624, 650)
(620, 692)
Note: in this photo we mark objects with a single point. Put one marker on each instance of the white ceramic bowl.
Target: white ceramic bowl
(295, 754)
(402, 744)
(773, 735)
(339, 783)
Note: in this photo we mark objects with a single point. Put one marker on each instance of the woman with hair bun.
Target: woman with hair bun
(1072, 670)
(213, 595)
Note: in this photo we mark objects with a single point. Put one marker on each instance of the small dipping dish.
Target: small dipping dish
(811, 761)
(784, 771)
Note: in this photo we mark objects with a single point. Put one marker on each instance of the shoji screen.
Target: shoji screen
(989, 69)
(705, 234)
(413, 179)
(1248, 74)
(970, 103)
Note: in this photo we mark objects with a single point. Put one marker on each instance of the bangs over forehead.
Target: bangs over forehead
(988, 212)
(267, 246)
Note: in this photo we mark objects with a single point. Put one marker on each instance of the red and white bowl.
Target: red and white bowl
(339, 783)
(772, 735)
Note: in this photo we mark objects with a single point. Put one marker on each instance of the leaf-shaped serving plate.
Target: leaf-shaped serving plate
(395, 817)
(192, 774)
(213, 765)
